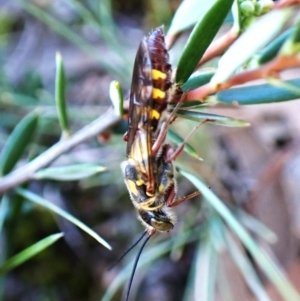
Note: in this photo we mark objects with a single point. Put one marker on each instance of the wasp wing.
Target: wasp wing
(139, 135)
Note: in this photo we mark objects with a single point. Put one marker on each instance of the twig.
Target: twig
(170, 39)
(25, 172)
(218, 47)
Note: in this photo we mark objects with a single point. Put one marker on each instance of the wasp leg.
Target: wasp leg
(149, 205)
(171, 197)
(164, 129)
(172, 156)
(160, 138)
(184, 198)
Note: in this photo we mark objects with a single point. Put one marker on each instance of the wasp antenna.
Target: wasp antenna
(127, 251)
(135, 265)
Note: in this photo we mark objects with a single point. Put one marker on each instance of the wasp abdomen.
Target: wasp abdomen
(161, 68)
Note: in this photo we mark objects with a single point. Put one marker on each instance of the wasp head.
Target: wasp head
(152, 208)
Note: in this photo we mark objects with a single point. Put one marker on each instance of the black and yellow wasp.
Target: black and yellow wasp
(148, 171)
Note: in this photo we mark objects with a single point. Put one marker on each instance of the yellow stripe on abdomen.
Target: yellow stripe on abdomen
(156, 74)
(154, 114)
(157, 93)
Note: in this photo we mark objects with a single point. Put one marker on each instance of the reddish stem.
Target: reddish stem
(280, 63)
(218, 46)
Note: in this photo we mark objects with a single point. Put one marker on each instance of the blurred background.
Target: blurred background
(255, 171)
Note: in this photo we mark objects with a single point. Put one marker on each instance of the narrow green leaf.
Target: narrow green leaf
(194, 9)
(189, 285)
(29, 252)
(3, 209)
(275, 275)
(292, 45)
(223, 282)
(211, 118)
(296, 34)
(190, 104)
(50, 206)
(246, 268)
(197, 80)
(60, 96)
(256, 227)
(17, 142)
(178, 140)
(116, 97)
(283, 85)
(216, 229)
(200, 38)
(272, 49)
(255, 38)
(257, 94)
(69, 173)
(206, 270)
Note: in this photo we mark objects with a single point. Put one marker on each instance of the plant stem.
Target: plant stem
(25, 172)
(271, 69)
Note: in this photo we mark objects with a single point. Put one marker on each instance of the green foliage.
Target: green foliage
(50, 206)
(17, 142)
(200, 38)
(211, 118)
(255, 40)
(69, 173)
(75, 179)
(116, 97)
(29, 252)
(174, 137)
(271, 50)
(264, 93)
(197, 80)
(267, 265)
(60, 96)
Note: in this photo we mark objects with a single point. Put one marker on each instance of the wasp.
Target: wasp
(148, 170)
